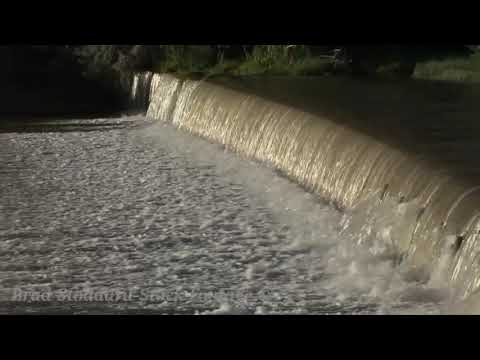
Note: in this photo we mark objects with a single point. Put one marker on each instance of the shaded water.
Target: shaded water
(158, 221)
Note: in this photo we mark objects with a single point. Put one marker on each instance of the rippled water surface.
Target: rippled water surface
(125, 215)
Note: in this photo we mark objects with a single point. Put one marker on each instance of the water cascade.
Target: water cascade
(340, 152)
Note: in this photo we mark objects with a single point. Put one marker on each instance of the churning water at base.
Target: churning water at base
(179, 225)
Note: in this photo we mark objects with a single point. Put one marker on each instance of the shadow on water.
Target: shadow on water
(66, 123)
(437, 121)
(42, 102)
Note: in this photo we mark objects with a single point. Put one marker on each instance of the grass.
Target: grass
(274, 61)
(225, 67)
(312, 66)
(304, 67)
(265, 60)
(454, 69)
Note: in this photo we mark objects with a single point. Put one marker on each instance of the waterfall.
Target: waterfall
(344, 158)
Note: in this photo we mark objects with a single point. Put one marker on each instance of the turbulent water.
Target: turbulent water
(137, 217)
(257, 196)
(411, 145)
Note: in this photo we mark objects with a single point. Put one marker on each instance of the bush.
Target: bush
(184, 58)
(453, 69)
(313, 66)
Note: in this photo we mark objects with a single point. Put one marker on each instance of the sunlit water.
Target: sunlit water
(160, 221)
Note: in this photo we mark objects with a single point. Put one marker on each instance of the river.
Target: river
(130, 216)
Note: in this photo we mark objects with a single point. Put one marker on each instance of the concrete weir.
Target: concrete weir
(353, 142)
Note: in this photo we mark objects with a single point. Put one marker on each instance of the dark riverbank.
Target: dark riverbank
(51, 96)
(94, 80)
(48, 82)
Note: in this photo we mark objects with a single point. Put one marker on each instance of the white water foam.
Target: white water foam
(350, 258)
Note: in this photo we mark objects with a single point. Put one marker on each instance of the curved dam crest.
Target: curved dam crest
(357, 145)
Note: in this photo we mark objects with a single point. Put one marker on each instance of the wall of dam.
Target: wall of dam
(359, 144)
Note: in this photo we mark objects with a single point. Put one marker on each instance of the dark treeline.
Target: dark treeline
(358, 58)
(106, 69)
(42, 80)
(95, 61)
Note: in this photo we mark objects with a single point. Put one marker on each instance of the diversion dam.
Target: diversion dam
(401, 155)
